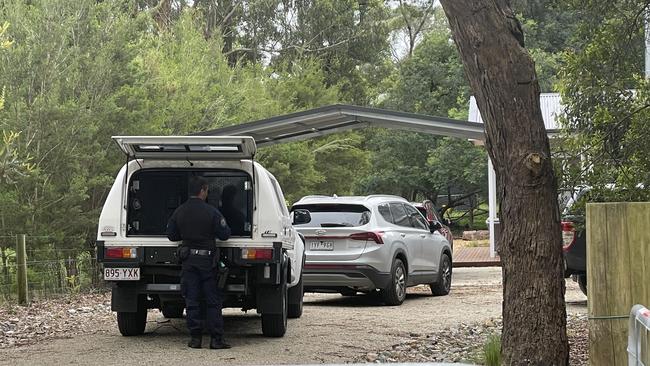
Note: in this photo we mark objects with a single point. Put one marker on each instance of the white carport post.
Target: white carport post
(492, 203)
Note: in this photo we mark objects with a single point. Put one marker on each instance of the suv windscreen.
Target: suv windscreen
(335, 215)
(154, 195)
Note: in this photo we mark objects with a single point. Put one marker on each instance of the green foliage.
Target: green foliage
(432, 81)
(4, 44)
(343, 160)
(293, 165)
(78, 72)
(398, 164)
(548, 28)
(301, 85)
(468, 173)
(14, 164)
(419, 166)
(492, 351)
(606, 97)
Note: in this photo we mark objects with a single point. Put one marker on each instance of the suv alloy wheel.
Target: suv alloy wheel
(395, 293)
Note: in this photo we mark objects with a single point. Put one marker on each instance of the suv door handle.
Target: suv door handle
(402, 235)
(423, 235)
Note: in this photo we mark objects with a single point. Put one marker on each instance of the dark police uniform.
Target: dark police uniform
(197, 224)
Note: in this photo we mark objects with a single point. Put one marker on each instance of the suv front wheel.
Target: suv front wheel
(395, 293)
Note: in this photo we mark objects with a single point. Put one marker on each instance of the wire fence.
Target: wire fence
(53, 267)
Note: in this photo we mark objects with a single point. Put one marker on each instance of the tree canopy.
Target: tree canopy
(606, 96)
(76, 73)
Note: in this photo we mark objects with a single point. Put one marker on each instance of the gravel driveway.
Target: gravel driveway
(333, 329)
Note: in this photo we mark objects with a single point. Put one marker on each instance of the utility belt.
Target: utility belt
(184, 251)
(220, 267)
(202, 252)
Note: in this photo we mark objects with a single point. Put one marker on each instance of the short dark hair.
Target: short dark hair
(197, 184)
(229, 193)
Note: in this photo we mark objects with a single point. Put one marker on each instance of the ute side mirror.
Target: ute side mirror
(301, 216)
(434, 226)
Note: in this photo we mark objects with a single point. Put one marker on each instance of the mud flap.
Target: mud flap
(124, 299)
(296, 292)
(269, 298)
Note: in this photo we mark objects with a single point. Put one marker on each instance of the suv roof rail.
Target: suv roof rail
(386, 196)
(314, 196)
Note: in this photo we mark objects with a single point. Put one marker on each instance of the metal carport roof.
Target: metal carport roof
(340, 117)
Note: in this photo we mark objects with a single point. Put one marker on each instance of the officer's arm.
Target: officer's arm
(222, 230)
(172, 229)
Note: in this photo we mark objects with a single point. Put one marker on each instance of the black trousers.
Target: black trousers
(199, 286)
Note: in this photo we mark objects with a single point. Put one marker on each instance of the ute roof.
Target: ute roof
(187, 147)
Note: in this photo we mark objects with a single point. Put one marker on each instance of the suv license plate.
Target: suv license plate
(321, 245)
(122, 274)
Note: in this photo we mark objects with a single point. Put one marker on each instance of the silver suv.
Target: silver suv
(362, 244)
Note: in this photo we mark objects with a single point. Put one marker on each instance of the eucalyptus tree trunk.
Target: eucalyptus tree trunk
(503, 80)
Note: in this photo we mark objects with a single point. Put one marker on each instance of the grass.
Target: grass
(471, 243)
(492, 351)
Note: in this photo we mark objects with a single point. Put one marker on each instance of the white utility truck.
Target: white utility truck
(262, 261)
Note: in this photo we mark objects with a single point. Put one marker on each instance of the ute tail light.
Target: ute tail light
(121, 253)
(376, 236)
(568, 234)
(257, 254)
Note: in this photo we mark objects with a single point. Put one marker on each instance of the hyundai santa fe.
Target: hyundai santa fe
(364, 244)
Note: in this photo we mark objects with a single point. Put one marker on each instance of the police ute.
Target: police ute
(260, 266)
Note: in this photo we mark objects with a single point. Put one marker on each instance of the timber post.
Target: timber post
(21, 269)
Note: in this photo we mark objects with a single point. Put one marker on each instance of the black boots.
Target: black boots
(217, 343)
(195, 342)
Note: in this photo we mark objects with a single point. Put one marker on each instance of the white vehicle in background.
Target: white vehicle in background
(378, 242)
(264, 256)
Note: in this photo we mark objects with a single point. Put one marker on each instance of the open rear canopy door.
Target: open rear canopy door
(187, 147)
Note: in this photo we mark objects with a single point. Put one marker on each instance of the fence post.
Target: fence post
(21, 269)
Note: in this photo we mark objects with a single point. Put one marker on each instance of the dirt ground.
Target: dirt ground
(333, 329)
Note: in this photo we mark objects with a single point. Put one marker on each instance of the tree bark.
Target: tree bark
(503, 80)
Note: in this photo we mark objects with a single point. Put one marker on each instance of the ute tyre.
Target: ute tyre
(442, 287)
(582, 282)
(275, 325)
(173, 311)
(132, 324)
(395, 293)
(296, 294)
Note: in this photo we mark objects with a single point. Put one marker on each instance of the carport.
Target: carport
(339, 117)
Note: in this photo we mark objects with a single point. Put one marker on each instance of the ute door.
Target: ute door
(336, 232)
(187, 147)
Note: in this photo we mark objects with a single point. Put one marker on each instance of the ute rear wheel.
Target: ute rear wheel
(275, 325)
(132, 323)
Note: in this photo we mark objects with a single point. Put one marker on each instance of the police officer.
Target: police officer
(197, 224)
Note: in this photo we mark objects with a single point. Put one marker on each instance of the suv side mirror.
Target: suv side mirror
(434, 226)
(301, 216)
